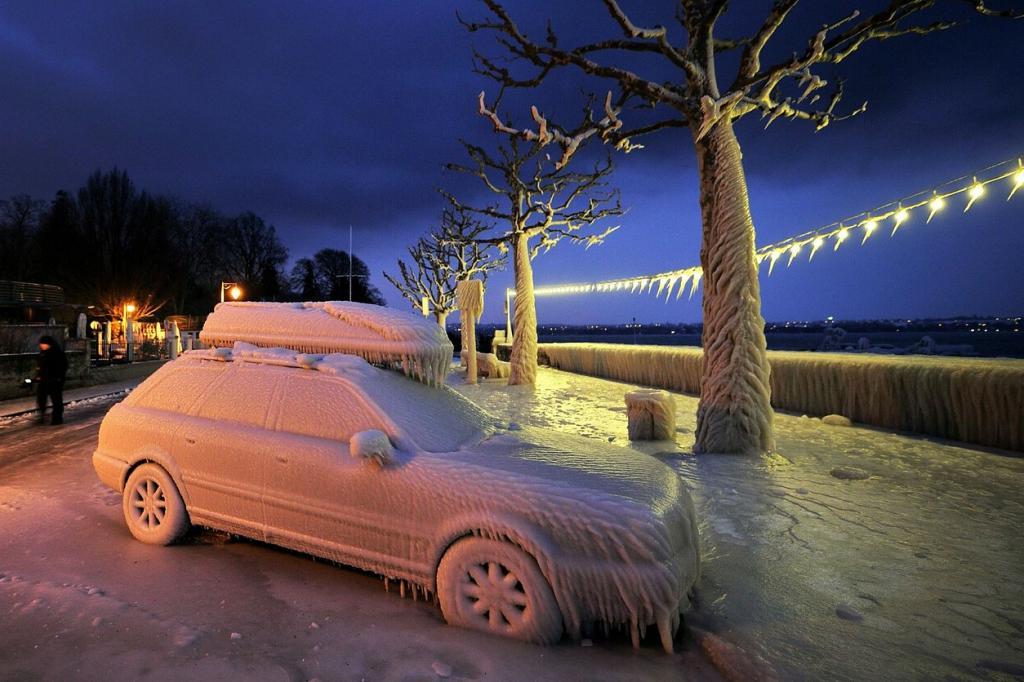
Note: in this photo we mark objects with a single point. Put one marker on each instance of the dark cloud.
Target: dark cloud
(321, 115)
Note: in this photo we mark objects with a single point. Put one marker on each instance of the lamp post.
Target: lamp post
(508, 315)
(232, 289)
(128, 332)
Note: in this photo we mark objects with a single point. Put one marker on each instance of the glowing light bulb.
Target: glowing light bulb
(934, 206)
(793, 251)
(1018, 182)
(898, 219)
(974, 193)
(869, 228)
(772, 258)
(815, 245)
(841, 237)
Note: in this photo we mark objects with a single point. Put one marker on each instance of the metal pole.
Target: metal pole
(129, 337)
(508, 315)
(350, 262)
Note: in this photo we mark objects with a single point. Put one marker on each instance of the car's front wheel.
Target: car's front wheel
(153, 508)
(497, 588)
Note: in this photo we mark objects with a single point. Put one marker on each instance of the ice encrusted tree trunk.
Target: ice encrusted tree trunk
(735, 412)
(523, 360)
(538, 204)
(735, 409)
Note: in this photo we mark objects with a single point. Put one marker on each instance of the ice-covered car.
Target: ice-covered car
(525, 533)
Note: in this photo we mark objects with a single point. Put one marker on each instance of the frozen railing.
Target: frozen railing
(976, 400)
(419, 347)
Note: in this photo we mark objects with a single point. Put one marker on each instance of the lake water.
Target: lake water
(986, 344)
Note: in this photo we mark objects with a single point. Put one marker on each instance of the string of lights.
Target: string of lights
(896, 213)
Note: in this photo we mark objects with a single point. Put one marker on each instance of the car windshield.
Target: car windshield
(437, 419)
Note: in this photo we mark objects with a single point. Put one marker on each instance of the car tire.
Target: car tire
(498, 588)
(153, 508)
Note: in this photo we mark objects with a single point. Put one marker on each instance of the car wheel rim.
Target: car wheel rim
(148, 504)
(492, 596)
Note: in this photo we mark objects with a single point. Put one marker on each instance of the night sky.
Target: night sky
(321, 115)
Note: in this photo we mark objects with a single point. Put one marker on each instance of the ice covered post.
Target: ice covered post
(470, 294)
(652, 414)
(173, 340)
(108, 335)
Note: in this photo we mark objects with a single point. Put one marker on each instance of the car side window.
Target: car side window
(313, 405)
(242, 396)
(177, 389)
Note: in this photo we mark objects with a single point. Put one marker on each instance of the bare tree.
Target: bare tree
(253, 253)
(541, 202)
(735, 409)
(441, 260)
(19, 223)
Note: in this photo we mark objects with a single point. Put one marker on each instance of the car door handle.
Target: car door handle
(190, 441)
(282, 460)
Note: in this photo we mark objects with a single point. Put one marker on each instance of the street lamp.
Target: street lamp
(129, 308)
(232, 289)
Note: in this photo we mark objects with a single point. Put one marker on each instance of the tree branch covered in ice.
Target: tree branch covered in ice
(696, 99)
(537, 203)
(667, 76)
(442, 259)
(536, 197)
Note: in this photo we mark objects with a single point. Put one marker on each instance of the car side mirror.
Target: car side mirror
(372, 445)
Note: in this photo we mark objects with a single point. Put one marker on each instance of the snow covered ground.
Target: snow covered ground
(853, 553)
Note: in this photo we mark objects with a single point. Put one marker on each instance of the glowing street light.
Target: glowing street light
(870, 226)
(901, 217)
(815, 245)
(934, 206)
(1018, 180)
(841, 237)
(232, 289)
(975, 192)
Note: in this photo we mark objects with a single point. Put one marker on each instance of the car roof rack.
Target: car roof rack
(382, 336)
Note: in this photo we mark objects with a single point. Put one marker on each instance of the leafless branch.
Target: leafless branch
(538, 198)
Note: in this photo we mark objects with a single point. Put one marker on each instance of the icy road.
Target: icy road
(852, 554)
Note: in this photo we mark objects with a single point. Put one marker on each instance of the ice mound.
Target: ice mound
(380, 335)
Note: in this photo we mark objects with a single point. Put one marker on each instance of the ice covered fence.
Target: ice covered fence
(380, 335)
(977, 400)
(651, 414)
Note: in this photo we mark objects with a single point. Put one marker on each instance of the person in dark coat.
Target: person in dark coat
(51, 370)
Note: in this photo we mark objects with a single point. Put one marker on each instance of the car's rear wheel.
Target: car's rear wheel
(498, 588)
(153, 508)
